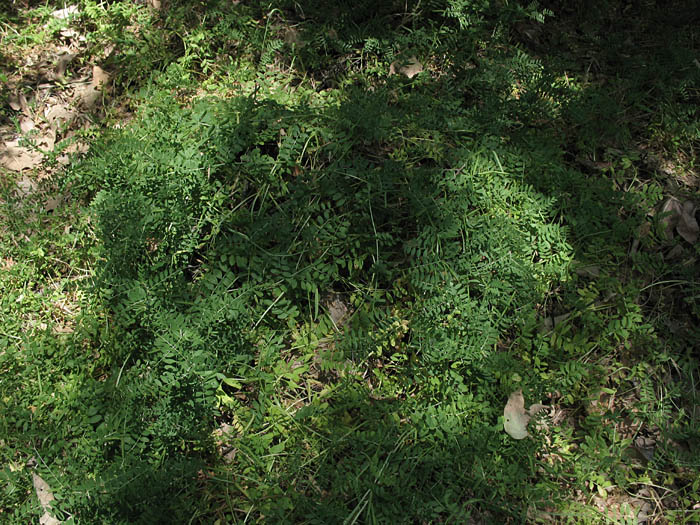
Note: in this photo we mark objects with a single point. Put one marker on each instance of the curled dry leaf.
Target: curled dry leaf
(670, 210)
(66, 12)
(687, 224)
(17, 158)
(59, 114)
(45, 497)
(293, 38)
(88, 96)
(680, 217)
(409, 67)
(62, 64)
(516, 418)
(26, 186)
(18, 102)
(26, 124)
(14, 102)
(100, 78)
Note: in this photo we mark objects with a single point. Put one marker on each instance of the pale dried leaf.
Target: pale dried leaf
(100, 78)
(17, 158)
(687, 224)
(62, 329)
(88, 96)
(66, 12)
(535, 408)
(59, 114)
(671, 210)
(71, 34)
(26, 124)
(26, 186)
(515, 418)
(409, 67)
(155, 4)
(23, 104)
(52, 203)
(62, 64)
(293, 38)
(45, 497)
(14, 102)
(590, 270)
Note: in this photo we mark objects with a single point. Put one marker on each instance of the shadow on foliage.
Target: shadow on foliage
(444, 210)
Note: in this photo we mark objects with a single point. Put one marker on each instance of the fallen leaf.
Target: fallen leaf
(100, 78)
(63, 60)
(66, 12)
(671, 209)
(155, 4)
(680, 217)
(14, 102)
(516, 418)
(52, 203)
(59, 114)
(687, 224)
(26, 186)
(62, 329)
(17, 158)
(292, 38)
(409, 67)
(24, 104)
(26, 124)
(45, 497)
(88, 96)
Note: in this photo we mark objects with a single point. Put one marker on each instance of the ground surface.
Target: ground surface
(298, 263)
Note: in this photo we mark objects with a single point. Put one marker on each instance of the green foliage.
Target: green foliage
(308, 300)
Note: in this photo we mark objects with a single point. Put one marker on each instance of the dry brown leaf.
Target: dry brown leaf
(23, 104)
(26, 186)
(62, 64)
(687, 224)
(45, 497)
(293, 38)
(14, 102)
(516, 418)
(66, 12)
(100, 78)
(88, 96)
(155, 4)
(52, 203)
(17, 158)
(409, 67)
(671, 209)
(26, 124)
(59, 114)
